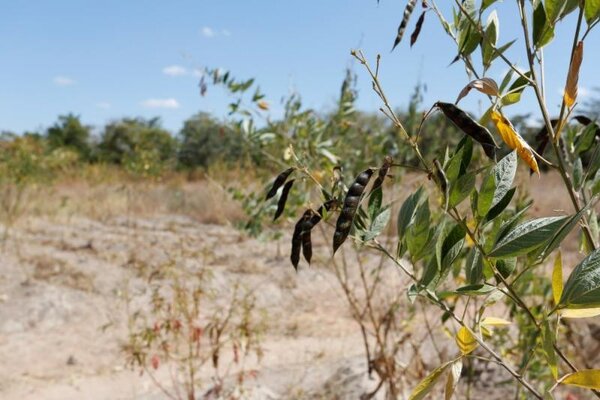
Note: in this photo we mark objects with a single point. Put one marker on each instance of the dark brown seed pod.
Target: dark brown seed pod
(278, 182)
(383, 171)
(469, 126)
(410, 6)
(283, 199)
(301, 238)
(297, 238)
(351, 202)
(417, 31)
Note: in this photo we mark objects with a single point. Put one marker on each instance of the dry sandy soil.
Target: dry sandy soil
(63, 316)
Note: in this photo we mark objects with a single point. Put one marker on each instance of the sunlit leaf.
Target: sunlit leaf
(587, 378)
(579, 312)
(495, 321)
(591, 10)
(527, 237)
(512, 138)
(465, 341)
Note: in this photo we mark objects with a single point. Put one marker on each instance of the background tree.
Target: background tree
(69, 132)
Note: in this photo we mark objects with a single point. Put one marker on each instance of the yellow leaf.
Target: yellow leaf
(587, 378)
(573, 76)
(494, 321)
(579, 312)
(512, 138)
(465, 340)
(557, 279)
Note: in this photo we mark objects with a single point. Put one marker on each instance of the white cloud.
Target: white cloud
(104, 105)
(63, 81)
(161, 103)
(174, 70)
(207, 32)
(226, 32)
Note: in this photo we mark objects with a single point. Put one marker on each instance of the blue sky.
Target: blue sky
(109, 59)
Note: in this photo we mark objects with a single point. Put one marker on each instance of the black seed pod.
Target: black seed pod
(302, 232)
(351, 202)
(385, 167)
(283, 199)
(297, 238)
(469, 126)
(278, 182)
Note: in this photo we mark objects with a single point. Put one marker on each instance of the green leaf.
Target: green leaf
(554, 9)
(407, 211)
(560, 235)
(582, 289)
(527, 237)
(591, 10)
(548, 346)
(491, 38)
(475, 290)
(486, 3)
(425, 386)
(506, 267)
(378, 224)
(375, 200)
(497, 184)
(577, 174)
(474, 266)
(501, 206)
(452, 245)
(419, 233)
(543, 30)
(462, 188)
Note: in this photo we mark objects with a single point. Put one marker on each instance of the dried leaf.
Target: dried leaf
(484, 85)
(512, 138)
(573, 76)
(278, 182)
(417, 31)
(470, 127)
(283, 199)
(351, 202)
(494, 321)
(405, 18)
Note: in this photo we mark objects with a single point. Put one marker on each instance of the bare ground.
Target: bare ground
(63, 319)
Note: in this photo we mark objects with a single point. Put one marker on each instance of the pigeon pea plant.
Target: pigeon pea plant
(476, 246)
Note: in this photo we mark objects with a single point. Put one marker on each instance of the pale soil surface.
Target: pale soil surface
(63, 319)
